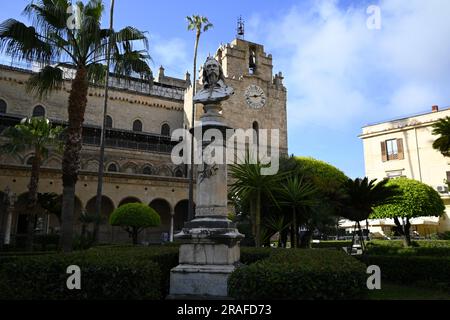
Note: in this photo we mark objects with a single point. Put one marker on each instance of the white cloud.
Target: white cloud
(339, 73)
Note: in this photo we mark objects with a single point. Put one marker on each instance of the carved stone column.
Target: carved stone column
(209, 250)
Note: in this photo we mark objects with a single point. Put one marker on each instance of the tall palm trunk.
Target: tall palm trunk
(294, 227)
(101, 165)
(191, 174)
(71, 160)
(258, 219)
(32, 198)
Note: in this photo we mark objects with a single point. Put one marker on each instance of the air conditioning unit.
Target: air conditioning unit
(442, 189)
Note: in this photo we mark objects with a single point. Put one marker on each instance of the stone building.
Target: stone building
(140, 121)
(404, 148)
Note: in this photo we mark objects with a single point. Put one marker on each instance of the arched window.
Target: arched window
(147, 170)
(179, 173)
(30, 161)
(165, 130)
(137, 126)
(3, 106)
(39, 111)
(112, 168)
(109, 122)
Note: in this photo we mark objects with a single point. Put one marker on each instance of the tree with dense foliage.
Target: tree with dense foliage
(251, 186)
(328, 181)
(199, 24)
(442, 144)
(134, 218)
(416, 199)
(38, 135)
(66, 35)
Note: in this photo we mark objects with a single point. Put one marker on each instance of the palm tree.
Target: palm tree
(54, 43)
(297, 194)
(39, 135)
(250, 185)
(362, 196)
(442, 144)
(199, 24)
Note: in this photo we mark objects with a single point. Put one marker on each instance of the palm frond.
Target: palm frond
(23, 43)
(45, 81)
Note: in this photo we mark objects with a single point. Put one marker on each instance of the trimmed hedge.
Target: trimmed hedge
(419, 248)
(252, 255)
(331, 244)
(300, 274)
(106, 273)
(44, 278)
(413, 270)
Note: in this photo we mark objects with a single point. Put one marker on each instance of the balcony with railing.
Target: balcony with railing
(114, 138)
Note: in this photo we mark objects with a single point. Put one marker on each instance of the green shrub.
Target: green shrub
(135, 217)
(46, 242)
(108, 272)
(331, 244)
(252, 255)
(300, 274)
(419, 248)
(413, 270)
(102, 277)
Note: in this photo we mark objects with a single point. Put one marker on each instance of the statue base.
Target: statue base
(208, 255)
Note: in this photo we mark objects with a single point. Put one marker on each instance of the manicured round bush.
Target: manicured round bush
(300, 274)
(324, 176)
(417, 199)
(134, 217)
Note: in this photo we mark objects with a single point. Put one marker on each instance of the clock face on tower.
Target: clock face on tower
(255, 97)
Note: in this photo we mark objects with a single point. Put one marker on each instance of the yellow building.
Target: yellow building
(140, 121)
(403, 148)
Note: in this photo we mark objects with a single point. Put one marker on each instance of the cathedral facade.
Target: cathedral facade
(140, 121)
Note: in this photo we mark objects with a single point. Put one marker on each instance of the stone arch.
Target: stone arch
(165, 171)
(91, 166)
(164, 209)
(53, 162)
(128, 200)
(130, 168)
(39, 111)
(28, 159)
(165, 129)
(138, 125)
(105, 229)
(179, 172)
(109, 122)
(148, 169)
(113, 167)
(11, 158)
(3, 105)
(181, 214)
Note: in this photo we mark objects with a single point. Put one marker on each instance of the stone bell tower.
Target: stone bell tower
(260, 99)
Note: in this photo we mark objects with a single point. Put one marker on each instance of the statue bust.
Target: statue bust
(214, 88)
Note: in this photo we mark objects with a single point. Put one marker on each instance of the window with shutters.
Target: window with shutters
(392, 150)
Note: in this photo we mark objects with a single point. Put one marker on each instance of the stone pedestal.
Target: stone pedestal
(210, 243)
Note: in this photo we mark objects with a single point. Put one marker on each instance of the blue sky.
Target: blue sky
(340, 75)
